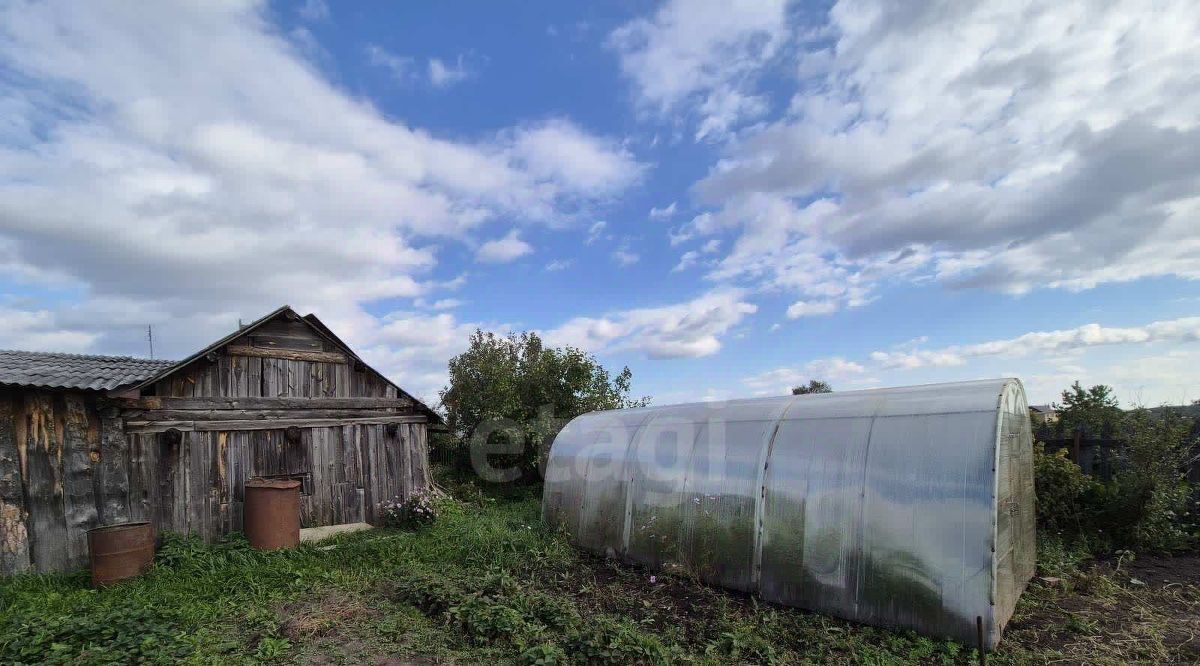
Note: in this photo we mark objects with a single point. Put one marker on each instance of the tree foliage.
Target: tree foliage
(813, 386)
(532, 389)
(1147, 504)
(1093, 411)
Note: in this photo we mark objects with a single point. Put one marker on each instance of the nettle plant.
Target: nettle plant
(411, 512)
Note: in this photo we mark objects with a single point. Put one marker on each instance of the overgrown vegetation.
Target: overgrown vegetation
(1147, 505)
(515, 393)
(813, 386)
(486, 583)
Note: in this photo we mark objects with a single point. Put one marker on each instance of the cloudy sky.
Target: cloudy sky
(729, 197)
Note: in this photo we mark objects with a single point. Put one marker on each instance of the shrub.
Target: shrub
(431, 593)
(1062, 491)
(485, 620)
(544, 654)
(411, 512)
(1146, 506)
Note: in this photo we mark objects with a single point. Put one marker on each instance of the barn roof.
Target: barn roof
(105, 373)
(75, 371)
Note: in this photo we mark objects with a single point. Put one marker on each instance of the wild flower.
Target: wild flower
(409, 512)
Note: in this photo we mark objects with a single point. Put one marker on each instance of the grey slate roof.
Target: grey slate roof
(76, 371)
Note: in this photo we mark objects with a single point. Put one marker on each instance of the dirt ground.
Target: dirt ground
(1145, 611)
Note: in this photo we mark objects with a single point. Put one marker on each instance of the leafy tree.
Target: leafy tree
(516, 389)
(813, 386)
(1148, 497)
(1094, 411)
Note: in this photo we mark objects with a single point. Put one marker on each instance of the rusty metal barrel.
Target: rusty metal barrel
(119, 552)
(271, 515)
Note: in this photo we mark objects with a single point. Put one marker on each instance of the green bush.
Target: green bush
(544, 654)
(1146, 506)
(431, 593)
(1062, 490)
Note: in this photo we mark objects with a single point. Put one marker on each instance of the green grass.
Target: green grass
(486, 583)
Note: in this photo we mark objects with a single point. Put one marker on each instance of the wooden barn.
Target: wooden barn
(97, 440)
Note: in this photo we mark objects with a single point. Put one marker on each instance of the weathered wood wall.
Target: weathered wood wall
(179, 455)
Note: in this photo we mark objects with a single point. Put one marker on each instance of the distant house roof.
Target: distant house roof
(75, 371)
(1044, 409)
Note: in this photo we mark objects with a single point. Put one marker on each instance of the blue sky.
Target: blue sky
(729, 198)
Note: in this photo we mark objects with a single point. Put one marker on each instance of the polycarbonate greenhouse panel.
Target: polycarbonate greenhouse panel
(907, 507)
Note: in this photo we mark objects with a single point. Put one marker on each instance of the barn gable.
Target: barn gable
(279, 355)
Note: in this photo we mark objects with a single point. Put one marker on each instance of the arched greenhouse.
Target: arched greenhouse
(905, 507)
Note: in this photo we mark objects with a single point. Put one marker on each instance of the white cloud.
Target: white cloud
(917, 358)
(314, 10)
(189, 192)
(781, 380)
(703, 52)
(1047, 342)
(402, 68)
(686, 261)
(439, 304)
(595, 231)
(1051, 146)
(664, 213)
(624, 257)
(443, 75)
(503, 250)
(811, 308)
(685, 330)
(558, 265)
(40, 330)
(559, 151)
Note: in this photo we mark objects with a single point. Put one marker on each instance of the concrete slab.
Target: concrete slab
(314, 534)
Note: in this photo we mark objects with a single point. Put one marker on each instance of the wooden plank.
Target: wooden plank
(337, 455)
(258, 414)
(215, 483)
(181, 477)
(258, 402)
(113, 472)
(423, 446)
(344, 387)
(197, 490)
(166, 469)
(288, 354)
(44, 485)
(363, 444)
(319, 475)
(401, 481)
(254, 383)
(352, 469)
(285, 342)
(420, 464)
(80, 435)
(297, 455)
(213, 426)
(143, 487)
(14, 533)
(221, 462)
